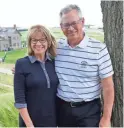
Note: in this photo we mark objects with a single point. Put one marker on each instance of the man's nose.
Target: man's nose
(70, 27)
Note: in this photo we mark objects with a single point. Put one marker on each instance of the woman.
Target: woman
(35, 81)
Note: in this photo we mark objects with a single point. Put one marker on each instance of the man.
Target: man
(84, 68)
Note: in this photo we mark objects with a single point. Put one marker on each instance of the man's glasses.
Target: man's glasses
(42, 41)
(73, 24)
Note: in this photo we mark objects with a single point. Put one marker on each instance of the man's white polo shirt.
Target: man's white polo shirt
(80, 69)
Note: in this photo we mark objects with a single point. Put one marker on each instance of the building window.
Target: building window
(14, 38)
(14, 44)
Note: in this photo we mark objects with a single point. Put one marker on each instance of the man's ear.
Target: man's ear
(61, 25)
(83, 20)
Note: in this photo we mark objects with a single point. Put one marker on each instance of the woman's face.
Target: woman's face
(39, 43)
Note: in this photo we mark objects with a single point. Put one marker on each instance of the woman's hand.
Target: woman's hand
(30, 125)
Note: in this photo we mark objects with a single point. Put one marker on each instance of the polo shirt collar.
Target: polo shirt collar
(34, 59)
(82, 44)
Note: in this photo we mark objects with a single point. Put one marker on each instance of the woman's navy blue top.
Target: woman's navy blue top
(35, 87)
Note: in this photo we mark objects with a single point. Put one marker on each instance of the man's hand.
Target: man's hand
(104, 122)
(13, 70)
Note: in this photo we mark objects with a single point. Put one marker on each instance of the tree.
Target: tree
(113, 37)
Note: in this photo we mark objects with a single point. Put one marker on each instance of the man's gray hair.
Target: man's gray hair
(69, 8)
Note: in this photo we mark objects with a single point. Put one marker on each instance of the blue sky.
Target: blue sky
(25, 13)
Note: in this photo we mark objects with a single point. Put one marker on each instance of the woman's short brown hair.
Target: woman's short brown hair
(49, 37)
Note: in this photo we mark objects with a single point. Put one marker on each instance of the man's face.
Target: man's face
(72, 25)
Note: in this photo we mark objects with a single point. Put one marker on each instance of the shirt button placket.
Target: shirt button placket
(45, 72)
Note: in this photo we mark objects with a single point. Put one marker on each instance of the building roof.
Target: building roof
(5, 31)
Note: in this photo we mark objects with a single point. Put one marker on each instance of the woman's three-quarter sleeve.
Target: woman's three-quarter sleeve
(19, 86)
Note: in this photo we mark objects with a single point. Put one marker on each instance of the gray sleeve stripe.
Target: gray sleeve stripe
(106, 67)
(107, 73)
(20, 105)
(103, 56)
(106, 61)
(103, 49)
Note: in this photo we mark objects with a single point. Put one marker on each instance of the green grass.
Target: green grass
(96, 35)
(99, 38)
(8, 113)
(5, 89)
(6, 65)
(12, 56)
(57, 33)
(6, 79)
